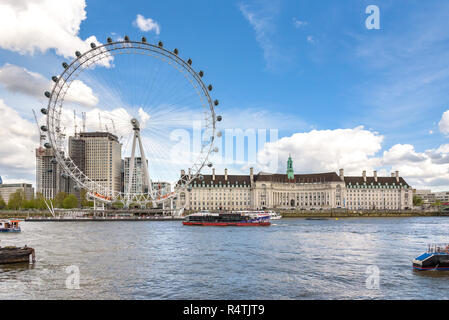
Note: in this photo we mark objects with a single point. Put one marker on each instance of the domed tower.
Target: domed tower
(290, 172)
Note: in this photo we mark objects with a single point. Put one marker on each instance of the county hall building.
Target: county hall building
(296, 191)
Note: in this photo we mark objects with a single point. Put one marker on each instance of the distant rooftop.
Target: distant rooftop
(98, 134)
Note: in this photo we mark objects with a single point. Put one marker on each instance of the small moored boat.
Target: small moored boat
(16, 255)
(436, 258)
(9, 226)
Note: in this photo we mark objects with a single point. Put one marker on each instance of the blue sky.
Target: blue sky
(296, 66)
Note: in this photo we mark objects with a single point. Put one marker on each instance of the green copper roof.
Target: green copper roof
(290, 172)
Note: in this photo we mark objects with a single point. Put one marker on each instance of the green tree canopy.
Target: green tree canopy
(417, 200)
(16, 200)
(2, 203)
(59, 199)
(70, 202)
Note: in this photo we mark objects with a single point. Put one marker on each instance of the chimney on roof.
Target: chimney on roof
(375, 176)
(251, 174)
(342, 174)
(183, 173)
(190, 173)
(226, 174)
(396, 173)
(364, 175)
(392, 174)
(213, 174)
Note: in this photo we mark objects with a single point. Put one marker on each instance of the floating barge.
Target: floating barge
(16, 255)
(436, 258)
(237, 219)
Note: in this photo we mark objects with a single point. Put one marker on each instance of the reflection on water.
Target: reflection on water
(292, 259)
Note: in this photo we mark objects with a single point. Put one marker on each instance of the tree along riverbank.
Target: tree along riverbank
(341, 213)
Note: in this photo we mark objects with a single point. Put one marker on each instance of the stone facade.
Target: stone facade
(296, 191)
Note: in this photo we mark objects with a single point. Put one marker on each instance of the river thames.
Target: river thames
(291, 259)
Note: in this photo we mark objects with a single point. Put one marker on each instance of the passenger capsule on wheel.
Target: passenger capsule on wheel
(44, 128)
(219, 118)
(44, 111)
(54, 78)
(109, 40)
(93, 45)
(47, 145)
(47, 94)
(65, 65)
(78, 54)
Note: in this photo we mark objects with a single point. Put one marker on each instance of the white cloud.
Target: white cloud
(147, 24)
(311, 39)
(143, 117)
(20, 80)
(356, 150)
(261, 17)
(325, 150)
(19, 139)
(80, 93)
(298, 23)
(38, 26)
(443, 125)
(402, 153)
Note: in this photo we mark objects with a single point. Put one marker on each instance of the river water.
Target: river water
(352, 258)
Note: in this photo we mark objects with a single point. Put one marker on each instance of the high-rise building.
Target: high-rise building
(103, 159)
(48, 174)
(7, 189)
(138, 185)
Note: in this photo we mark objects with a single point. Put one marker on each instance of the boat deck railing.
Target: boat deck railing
(438, 248)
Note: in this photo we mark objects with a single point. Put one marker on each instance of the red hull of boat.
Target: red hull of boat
(225, 224)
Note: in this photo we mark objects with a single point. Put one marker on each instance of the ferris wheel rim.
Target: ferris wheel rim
(103, 51)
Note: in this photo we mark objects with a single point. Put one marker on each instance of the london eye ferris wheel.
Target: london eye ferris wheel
(147, 99)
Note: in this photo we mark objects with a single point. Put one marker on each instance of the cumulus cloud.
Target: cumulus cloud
(324, 150)
(443, 125)
(40, 25)
(20, 80)
(356, 150)
(19, 139)
(402, 153)
(147, 24)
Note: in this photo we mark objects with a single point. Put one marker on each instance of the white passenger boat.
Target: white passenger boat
(273, 215)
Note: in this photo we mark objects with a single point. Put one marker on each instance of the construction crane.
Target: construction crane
(41, 134)
(83, 116)
(74, 122)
